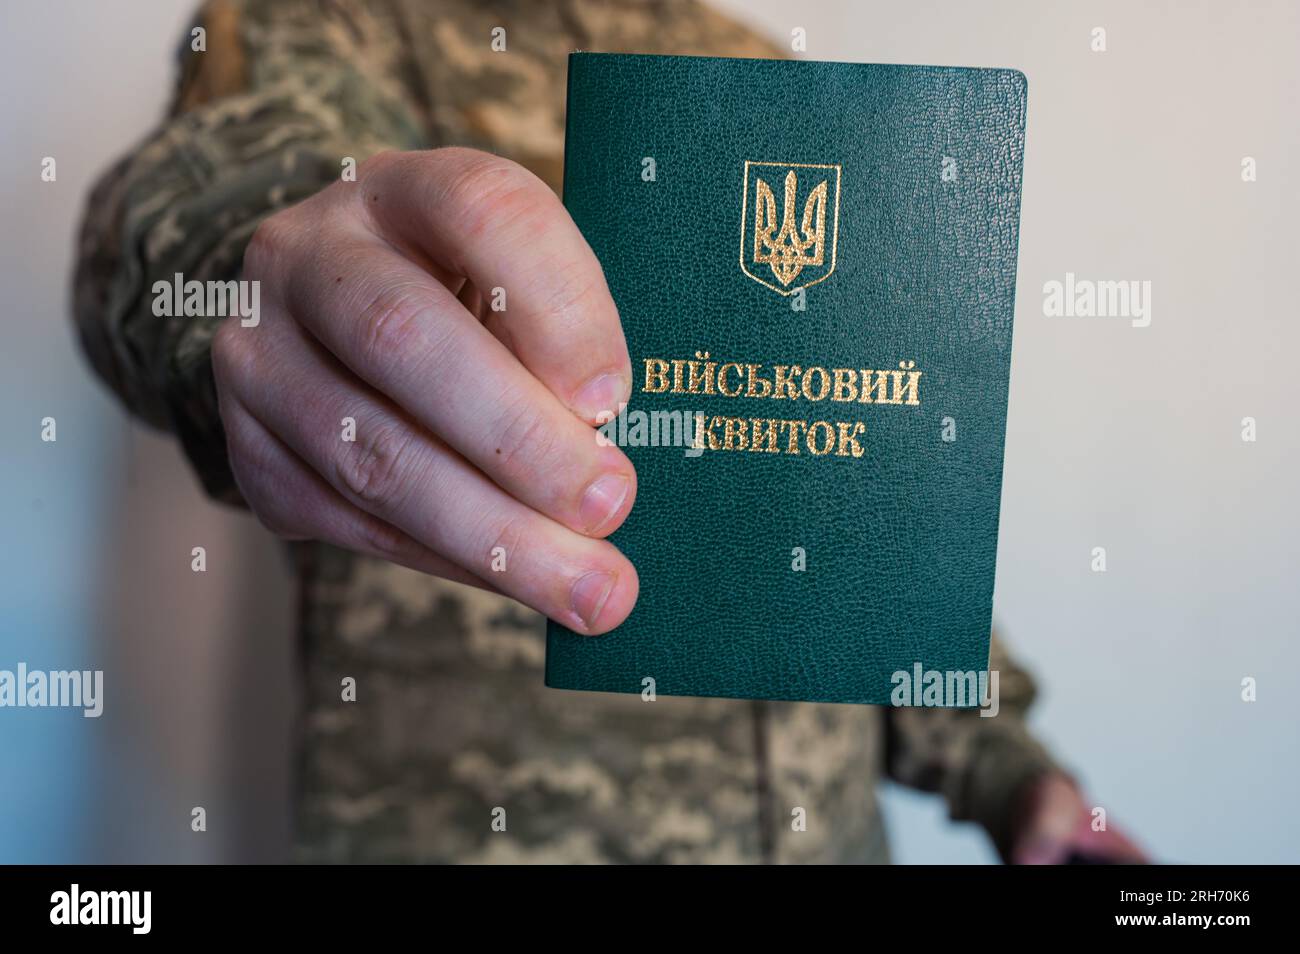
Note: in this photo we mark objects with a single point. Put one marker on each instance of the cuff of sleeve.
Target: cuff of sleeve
(196, 420)
(1002, 773)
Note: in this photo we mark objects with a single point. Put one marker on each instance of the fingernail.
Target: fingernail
(589, 594)
(602, 500)
(605, 392)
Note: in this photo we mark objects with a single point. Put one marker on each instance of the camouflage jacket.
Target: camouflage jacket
(451, 721)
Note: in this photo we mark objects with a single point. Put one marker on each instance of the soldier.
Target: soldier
(469, 434)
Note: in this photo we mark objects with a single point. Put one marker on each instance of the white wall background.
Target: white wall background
(1119, 437)
(94, 573)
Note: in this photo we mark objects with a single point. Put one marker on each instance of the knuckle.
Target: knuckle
(243, 472)
(224, 352)
(393, 323)
(279, 527)
(231, 352)
(253, 475)
(260, 476)
(574, 287)
(380, 162)
(245, 456)
(506, 536)
(268, 245)
(488, 192)
(374, 468)
(385, 540)
(526, 442)
(370, 176)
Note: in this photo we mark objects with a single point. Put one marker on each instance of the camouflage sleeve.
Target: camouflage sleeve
(273, 95)
(981, 765)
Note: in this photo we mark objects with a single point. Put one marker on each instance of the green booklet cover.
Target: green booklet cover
(815, 265)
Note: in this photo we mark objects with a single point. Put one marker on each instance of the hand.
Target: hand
(473, 427)
(1058, 824)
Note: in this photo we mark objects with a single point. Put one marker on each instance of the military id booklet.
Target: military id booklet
(815, 265)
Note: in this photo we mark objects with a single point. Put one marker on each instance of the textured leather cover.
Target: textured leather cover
(899, 543)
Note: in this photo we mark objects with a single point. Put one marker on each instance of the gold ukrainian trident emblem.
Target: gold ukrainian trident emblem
(789, 241)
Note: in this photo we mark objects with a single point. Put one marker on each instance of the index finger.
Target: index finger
(495, 223)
